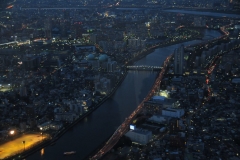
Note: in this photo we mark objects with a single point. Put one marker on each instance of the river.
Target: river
(212, 14)
(88, 134)
(194, 12)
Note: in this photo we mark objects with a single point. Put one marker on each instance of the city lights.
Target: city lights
(12, 132)
(169, 67)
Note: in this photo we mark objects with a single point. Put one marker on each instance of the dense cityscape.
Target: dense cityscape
(127, 79)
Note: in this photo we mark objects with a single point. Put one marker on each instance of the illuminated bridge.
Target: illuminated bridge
(123, 128)
(8, 43)
(144, 68)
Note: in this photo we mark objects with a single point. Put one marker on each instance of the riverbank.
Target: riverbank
(157, 76)
(103, 151)
(22, 144)
(61, 132)
(160, 45)
(64, 130)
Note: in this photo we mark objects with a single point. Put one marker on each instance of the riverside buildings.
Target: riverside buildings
(140, 136)
(207, 129)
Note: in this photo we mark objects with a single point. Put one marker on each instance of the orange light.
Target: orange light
(207, 81)
(42, 151)
(11, 6)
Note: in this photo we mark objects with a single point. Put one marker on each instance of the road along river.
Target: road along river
(95, 129)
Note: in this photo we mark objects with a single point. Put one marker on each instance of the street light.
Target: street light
(23, 145)
(42, 135)
(12, 132)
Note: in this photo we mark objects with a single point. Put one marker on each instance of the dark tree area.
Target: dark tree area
(124, 141)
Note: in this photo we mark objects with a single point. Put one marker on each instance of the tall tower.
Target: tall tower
(178, 60)
(2, 63)
(23, 90)
(48, 28)
(66, 14)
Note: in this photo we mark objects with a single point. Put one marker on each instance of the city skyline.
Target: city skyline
(119, 79)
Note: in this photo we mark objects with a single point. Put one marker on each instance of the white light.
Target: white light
(132, 127)
(12, 132)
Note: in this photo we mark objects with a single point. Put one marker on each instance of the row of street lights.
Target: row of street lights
(23, 145)
(12, 132)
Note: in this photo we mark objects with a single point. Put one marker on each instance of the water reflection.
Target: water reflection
(95, 129)
(85, 119)
(42, 151)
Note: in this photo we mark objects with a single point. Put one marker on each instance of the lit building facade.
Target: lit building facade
(139, 136)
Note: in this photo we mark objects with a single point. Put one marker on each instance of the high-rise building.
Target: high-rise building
(199, 22)
(196, 63)
(23, 90)
(48, 28)
(30, 62)
(63, 28)
(111, 66)
(93, 38)
(203, 58)
(178, 60)
(66, 14)
(134, 42)
(77, 30)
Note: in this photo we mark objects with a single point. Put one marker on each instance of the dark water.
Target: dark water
(213, 14)
(3, 4)
(87, 135)
(204, 13)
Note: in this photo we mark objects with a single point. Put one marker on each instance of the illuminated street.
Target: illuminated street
(123, 128)
(125, 125)
(17, 145)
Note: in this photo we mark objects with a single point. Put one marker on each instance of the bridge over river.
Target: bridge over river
(144, 68)
(124, 127)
